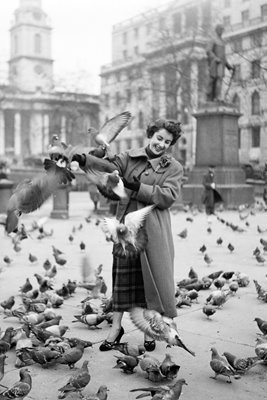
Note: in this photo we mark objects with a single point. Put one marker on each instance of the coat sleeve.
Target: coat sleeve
(163, 196)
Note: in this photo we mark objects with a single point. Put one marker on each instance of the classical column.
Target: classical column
(45, 122)
(63, 129)
(2, 133)
(36, 133)
(17, 134)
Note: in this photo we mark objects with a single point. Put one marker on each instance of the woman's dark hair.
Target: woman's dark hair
(173, 127)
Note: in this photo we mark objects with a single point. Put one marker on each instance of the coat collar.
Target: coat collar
(141, 152)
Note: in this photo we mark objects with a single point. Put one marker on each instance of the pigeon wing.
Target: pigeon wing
(110, 130)
(135, 220)
(149, 322)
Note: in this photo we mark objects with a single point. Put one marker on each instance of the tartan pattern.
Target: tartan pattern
(128, 285)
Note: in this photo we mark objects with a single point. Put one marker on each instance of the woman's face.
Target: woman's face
(160, 141)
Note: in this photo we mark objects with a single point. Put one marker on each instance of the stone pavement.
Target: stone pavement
(231, 329)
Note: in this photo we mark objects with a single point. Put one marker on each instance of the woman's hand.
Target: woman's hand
(80, 159)
(132, 185)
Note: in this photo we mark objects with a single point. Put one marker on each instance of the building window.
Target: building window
(245, 17)
(255, 69)
(140, 93)
(238, 45)
(106, 101)
(191, 18)
(256, 39)
(117, 98)
(264, 11)
(255, 103)
(124, 38)
(140, 120)
(176, 19)
(227, 21)
(128, 95)
(227, 3)
(136, 33)
(125, 55)
(255, 136)
(237, 73)
(236, 101)
(37, 43)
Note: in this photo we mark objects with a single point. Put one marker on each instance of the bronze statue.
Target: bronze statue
(217, 62)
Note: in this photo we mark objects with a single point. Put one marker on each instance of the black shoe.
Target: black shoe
(106, 345)
(150, 345)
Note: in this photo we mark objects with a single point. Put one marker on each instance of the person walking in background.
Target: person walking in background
(217, 62)
(210, 196)
(152, 177)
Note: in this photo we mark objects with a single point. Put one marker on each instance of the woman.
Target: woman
(151, 176)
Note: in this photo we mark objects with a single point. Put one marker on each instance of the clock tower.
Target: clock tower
(30, 63)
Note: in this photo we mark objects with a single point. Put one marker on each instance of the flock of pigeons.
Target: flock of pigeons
(38, 336)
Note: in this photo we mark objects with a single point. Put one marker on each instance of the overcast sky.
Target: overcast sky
(81, 36)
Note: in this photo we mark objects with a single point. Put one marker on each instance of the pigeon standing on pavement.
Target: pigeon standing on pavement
(101, 394)
(262, 324)
(166, 392)
(21, 389)
(78, 380)
(8, 304)
(169, 368)
(241, 365)
(220, 365)
(2, 366)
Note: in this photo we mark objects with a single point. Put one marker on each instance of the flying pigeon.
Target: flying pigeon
(157, 327)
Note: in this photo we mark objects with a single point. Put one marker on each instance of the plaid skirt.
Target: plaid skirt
(127, 284)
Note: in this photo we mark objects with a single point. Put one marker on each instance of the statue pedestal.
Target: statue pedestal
(217, 144)
(61, 203)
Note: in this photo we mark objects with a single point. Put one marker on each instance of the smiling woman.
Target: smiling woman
(152, 177)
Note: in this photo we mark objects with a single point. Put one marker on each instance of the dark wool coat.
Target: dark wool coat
(160, 185)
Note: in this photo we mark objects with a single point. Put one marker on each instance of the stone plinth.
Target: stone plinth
(6, 187)
(61, 203)
(217, 144)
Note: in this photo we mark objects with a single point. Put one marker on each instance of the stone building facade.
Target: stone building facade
(31, 109)
(159, 68)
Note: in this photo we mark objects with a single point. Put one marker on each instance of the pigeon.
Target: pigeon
(59, 260)
(168, 368)
(71, 238)
(57, 330)
(192, 274)
(43, 356)
(261, 230)
(242, 279)
(30, 194)
(220, 365)
(91, 320)
(52, 272)
(183, 234)
(262, 293)
(219, 241)
(70, 357)
(129, 237)
(217, 298)
(157, 327)
(208, 260)
(110, 130)
(47, 265)
(209, 230)
(209, 310)
(262, 325)
(129, 349)
(151, 365)
(82, 245)
(240, 365)
(127, 363)
(256, 251)
(166, 392)
(233, 286)
(203, 248)
(78, 380)
(230, 247)
(215, 275)
(2, 366)
(7, 260)
(21, 389)
(5, 341)
(227, 275)
(109, 184)
(101, 394)
(32, 258)
(56, 251)
(8, 304)
(261, 349)
(219, 282)
(260, 259)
